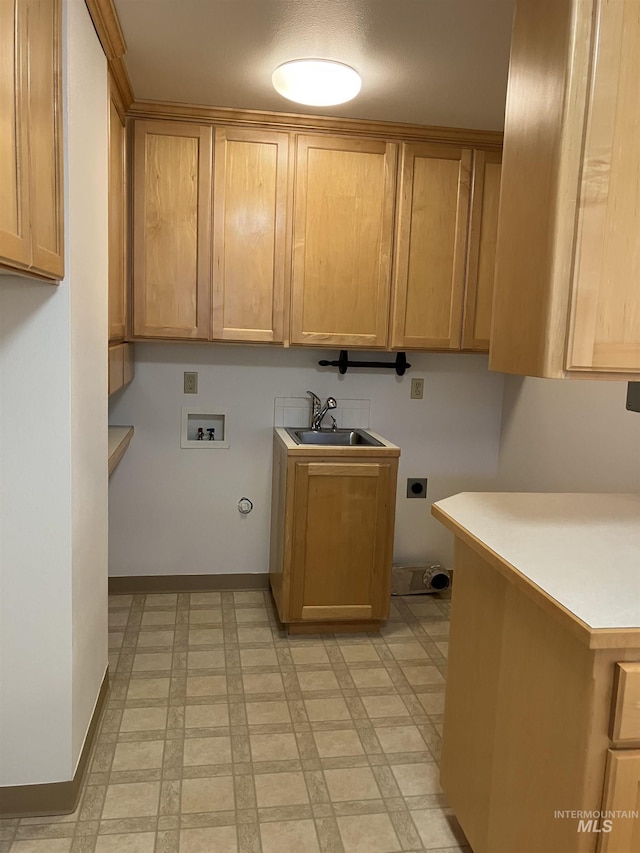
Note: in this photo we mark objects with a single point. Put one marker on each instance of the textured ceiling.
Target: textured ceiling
(438, 62)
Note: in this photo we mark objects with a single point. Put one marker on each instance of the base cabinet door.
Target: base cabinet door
(621, 834)
(342, 540)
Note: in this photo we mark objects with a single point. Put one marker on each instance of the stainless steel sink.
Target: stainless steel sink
(334, 438)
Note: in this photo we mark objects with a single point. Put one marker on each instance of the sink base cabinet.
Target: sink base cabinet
(332, 540)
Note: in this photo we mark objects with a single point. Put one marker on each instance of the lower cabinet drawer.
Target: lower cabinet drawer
(625, 720)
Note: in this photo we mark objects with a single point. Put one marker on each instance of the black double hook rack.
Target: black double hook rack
(400, 365)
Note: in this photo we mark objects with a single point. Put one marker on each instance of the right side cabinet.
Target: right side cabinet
(567, 298)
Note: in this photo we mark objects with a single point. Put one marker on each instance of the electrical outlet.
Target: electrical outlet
(190, 383)
(417, 389)
(416, 487)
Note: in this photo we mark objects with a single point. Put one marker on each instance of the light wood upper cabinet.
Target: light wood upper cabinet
(431, 237)
(31, 189)
(172, 230)
(117, 221)
(251, 239)
(343, 222)
(567, 265)
(481, 258)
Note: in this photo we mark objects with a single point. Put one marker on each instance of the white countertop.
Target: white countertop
(583, 550)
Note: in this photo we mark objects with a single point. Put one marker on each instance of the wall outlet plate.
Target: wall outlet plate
(417, 389)
(633, 396)
(416, 487)
(190, 383)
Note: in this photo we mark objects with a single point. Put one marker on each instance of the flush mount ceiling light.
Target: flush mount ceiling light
(316, 82)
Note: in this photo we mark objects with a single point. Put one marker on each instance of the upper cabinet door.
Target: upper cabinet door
(483, 228)
(343, 224)
(117, 222)
(251, 265)
(15, 238)
(31, 190)
(433, 213)
(605, 316)
(567, 289)
(172, 230)
(45, 136)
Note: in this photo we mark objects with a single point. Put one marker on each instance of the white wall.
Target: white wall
(568, 436)
(87, 169)
(53, 486)
(174, 511)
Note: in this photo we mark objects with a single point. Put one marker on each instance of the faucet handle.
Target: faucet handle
(315, 400)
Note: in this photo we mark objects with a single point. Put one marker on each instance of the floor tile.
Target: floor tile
(332, 744)
(138, 755)
(417, 779)
(359, 653)
(371, 677)
(143, 719)
(262, 713)
(137, 842)
(317, 680)
(161, 599)
(384, 706)
(205, 599)
(254, 635)
(219, 839)
(205, 637)
(207, 795)
(148, 688)
(258, 657)
(418, 675)
(280, 789)
(327, 709)
(213, 659)
(206, 716)
(433, 703)
(407, 651)
(158, 617)
(291, 836)
(251, 614)
(353, 783)
(437, 829)
(400, 739)
(248, 597)
(206, 750)
(49, 845)
(273, 747)
(205, 617)
(371, 833)
(312, 654)
(147, 662)
(269, 682)
(135, 799)
(206, 685)
(158, 639)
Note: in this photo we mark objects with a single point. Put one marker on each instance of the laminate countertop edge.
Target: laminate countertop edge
(119, 438)
(577, 556)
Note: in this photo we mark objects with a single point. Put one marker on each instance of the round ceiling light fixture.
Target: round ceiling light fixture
(316, 82)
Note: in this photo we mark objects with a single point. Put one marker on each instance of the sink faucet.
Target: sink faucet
(318, 411)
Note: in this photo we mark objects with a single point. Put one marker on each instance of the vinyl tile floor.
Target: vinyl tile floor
(222, 734)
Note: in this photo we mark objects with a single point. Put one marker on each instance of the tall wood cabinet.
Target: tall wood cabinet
(31, 188)
(342, 242)
(430, 251)
(567, 299)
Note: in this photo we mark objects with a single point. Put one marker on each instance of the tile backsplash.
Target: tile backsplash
(296, 412)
